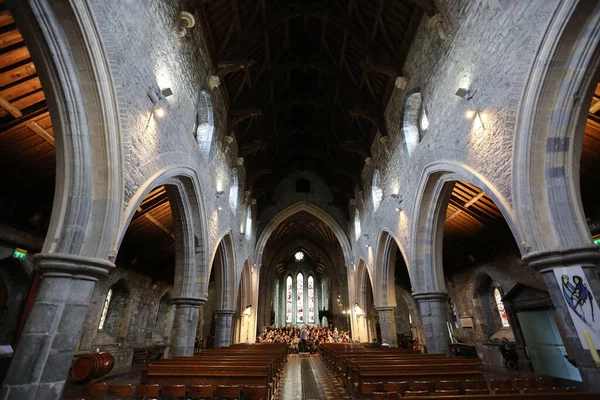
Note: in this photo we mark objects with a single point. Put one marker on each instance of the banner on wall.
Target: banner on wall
(581, 303)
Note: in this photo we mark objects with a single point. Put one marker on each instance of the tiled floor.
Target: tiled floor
(307, 378)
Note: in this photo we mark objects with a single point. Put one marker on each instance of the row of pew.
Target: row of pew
(102, 391)
(252, 365)
(382, 373)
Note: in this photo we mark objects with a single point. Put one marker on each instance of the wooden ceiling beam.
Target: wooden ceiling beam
(41, 132)
(12, 110)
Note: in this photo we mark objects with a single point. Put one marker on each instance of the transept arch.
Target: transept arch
(434, 190)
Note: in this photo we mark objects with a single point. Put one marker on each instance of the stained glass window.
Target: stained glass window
(311, 300)
(105, 309)
(500, 306)
(300, 298)
(288, 301)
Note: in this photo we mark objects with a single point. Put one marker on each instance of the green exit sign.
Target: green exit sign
(597, 241)
(19, 254)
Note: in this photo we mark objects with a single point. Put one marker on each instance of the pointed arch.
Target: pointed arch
(223, 260)
(384, 269)
(313, 210)
(364, 281)
(433, 193)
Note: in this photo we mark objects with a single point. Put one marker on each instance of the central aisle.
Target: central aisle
(307, 378)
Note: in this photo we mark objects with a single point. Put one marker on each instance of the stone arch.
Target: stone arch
(188, 221)
(315, 211)
(363, 282)
(433, 193)
(205, 122)
(67, 49)
(549, 133)
(160, 331)
(384, 269)
(414, 112)
(223, 259)
(376, 189)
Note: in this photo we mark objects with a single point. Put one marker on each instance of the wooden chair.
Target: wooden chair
(416, 393)
(500, 384)
(510, 391)
(256, 392)
(370, 387)
(448, 392)
(228, 392)
(95, 390)
(118, 392)
(477, 391)
(146, 392)
(474, 384)
(172, 392)
(449, 385)
(200, 392)
(422, 385)
(399, 387)
(384, 396)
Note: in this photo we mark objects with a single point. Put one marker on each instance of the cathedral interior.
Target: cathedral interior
(189, 179)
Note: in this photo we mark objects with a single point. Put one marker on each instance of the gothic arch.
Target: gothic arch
(223, 259)
(68, 52)
(311, 209)
(549, 133)
(433, 193)
(384, 268)
(363, 281)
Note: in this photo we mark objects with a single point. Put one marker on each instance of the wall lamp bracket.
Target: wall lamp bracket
(467, 95)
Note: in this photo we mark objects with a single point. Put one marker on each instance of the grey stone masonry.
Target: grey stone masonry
(223, 328)
(42, 359)
(387, 323)
(434, 315)
(185, 323)
(586, 257)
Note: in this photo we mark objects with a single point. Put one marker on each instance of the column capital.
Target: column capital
(69, 265)
(435, 296)
(225, 312)
(384, 308)
(585, 256)
(188, 301)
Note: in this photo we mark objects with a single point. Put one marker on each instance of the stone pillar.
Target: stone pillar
(586, 257)
(185, 323)
(362, 334)
(434, 317)
(223, 328)
(43, 357)
(387, 324)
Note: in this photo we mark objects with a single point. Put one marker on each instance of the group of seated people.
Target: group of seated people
(315, 335)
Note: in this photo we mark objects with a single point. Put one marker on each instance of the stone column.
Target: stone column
(362, 334)
(185, 323)
(586, 257)
(387, 324)
(434, 317)
(223, 328)
(42, 360)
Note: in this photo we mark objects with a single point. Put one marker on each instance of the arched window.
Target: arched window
(311, 300)
(233, 190)
(356, 223)
(105, 309)
(500, 305)
(415, 120)
(299, 256)
(160, 324)
(376, 191)
(288, 300)
(205, 125)
(300, 298)
(248, 227)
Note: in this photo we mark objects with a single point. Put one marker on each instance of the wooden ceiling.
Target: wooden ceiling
(303, 224)
(27, 150)
(306, 81)
(148, 246)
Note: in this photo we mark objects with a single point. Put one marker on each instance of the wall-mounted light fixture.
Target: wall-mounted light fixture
(157, 98)
(467, 95)
(398, 199)
(185, 21)
(220, 194)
